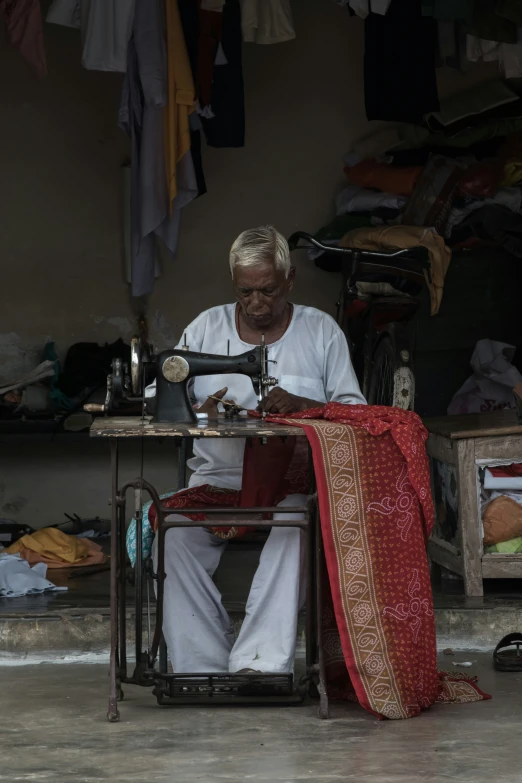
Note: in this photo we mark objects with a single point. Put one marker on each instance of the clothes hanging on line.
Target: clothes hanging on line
(454, 10)
(142, 117)
(267, 21)
(363, 7)
(23, 24)
(180, 97)
(105, 27)
(227, 127)
(399, 64)
(213, 41)
(189, 19)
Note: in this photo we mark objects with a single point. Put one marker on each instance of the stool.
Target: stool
(459, 446)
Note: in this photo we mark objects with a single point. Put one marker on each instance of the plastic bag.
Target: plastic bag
(491, 385)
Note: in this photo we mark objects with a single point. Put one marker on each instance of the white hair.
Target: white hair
(259, 246)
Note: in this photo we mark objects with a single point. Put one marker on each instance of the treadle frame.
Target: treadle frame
(151, 664)
(179, 689)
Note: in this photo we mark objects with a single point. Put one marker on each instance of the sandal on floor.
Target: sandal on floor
(508, 653)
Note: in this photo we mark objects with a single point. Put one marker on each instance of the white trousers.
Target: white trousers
(197, 627)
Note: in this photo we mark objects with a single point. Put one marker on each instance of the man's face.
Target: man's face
(262, 292)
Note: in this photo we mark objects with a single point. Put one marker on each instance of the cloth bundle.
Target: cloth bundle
(17, 578)
(56, 549)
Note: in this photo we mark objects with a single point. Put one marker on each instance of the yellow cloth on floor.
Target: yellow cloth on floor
(180, 97)
(390, 238)
(50, 544)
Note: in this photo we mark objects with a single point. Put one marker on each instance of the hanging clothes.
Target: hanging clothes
(105, 26)
(189, 18)
(399, 64)
(454, 10)
(142, 117)
(23, 23)
(266, 21)
(363, 7)
(180, 97)
(213, 42)
(225, 126)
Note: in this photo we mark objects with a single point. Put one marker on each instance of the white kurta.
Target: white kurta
(313, 361)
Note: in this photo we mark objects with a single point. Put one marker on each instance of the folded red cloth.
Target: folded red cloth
(506, 471)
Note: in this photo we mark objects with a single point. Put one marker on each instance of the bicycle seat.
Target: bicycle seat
(405, 269)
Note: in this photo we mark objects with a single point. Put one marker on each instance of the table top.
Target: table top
(134, 426)
(475, 425)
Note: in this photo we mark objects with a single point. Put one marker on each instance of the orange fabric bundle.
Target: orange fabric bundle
(381, 176)
(502, 521)
(58, 550)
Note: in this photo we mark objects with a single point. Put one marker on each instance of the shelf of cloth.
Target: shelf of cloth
(467, 444)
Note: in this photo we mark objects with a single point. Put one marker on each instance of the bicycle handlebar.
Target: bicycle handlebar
(293, 242)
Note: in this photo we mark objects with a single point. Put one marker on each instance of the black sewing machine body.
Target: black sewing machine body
(173, 370)
(176, 367)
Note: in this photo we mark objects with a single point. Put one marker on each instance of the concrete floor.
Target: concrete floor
(54, 729)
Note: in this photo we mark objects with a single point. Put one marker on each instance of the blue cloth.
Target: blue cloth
(147, 533)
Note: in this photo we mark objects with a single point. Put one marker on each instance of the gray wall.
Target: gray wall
(61, 263)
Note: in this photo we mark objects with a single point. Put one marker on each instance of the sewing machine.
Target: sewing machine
(173, 370)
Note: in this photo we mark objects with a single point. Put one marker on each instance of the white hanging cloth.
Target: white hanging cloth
(267, 21)
(105, 29)
(363, 7)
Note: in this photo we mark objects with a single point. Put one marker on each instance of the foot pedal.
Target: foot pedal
(225, 688)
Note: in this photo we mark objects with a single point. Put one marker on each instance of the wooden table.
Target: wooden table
(151, 665)
(463, 445)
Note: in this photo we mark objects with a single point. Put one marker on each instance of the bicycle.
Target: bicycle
(380, 295)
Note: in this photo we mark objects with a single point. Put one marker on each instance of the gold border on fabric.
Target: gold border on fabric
(355, 571)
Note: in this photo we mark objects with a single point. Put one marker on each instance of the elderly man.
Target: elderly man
(314, 367)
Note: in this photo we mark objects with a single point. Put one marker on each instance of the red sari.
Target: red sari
(376, 511)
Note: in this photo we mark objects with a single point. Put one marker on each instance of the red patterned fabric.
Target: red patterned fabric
(195, 497)
(267, 479)
(376, 512)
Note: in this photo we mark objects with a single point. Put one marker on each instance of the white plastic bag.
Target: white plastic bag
(491, 386)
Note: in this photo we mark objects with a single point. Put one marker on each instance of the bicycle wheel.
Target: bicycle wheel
(392, 381)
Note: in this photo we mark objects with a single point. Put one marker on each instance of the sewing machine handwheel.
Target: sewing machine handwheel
(136, 366)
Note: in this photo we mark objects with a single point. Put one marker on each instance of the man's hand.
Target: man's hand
(280, 401)
(210, 406)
